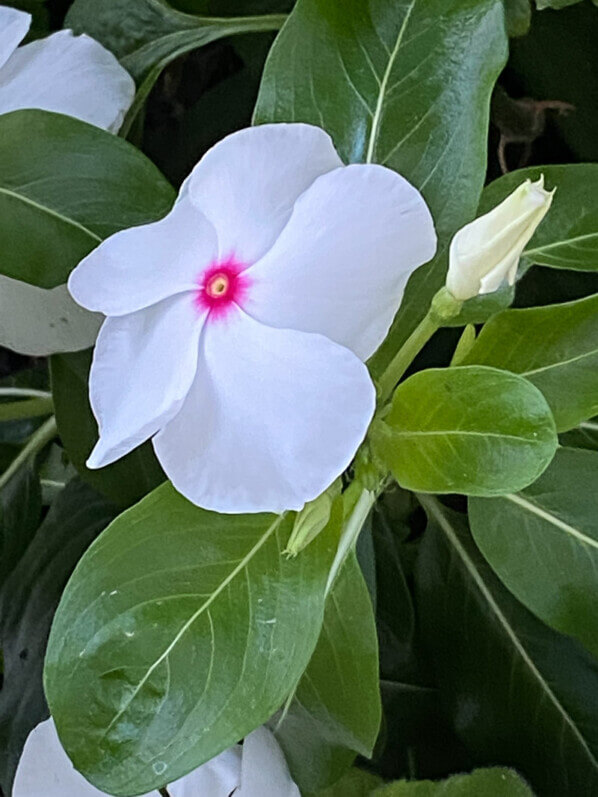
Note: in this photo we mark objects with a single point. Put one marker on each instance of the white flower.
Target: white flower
(72, 75)
(487, 250)
(257, 769)
(238, 326)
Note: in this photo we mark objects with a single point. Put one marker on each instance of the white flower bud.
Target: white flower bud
(487, 250)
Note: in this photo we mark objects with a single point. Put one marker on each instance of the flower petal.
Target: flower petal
(264, 771)
(14, 25)
(272, 418)
(341, 264)
(247, 183)
(138, 267)
(216, 778)
(143, 366)
(45, 770)
(73, 75)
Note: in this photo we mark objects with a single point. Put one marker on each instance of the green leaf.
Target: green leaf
(472, 430)
(146, 35)
(355, 783)
(125, 481)
(568, 236)
(583, 436)
(496, 782)
(335, 712)
(180, 631)
(555, 4)
(518, 14)
(28, 600)
(555, 347)
(543, 543)
(65, 185)
(404, 84)
(519, 694)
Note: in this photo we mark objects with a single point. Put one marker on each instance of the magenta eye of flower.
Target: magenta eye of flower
(222, 286)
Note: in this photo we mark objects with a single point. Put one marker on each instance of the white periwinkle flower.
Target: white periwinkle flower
(72, 75)
(238, 326)
(256, 769)
(487, 251)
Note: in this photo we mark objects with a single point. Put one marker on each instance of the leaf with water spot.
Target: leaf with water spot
(180, 631)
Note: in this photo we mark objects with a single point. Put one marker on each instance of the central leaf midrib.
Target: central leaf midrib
(186, 626)
(528, 505)
(377, 118)
(464, 433)
(50, 212)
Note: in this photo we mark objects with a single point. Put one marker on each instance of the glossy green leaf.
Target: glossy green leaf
(568, 236)
(555, 347)
(404, 84)
(65, 185)
(180, 631)
(472, 430)
(28, 600)
(146, 35)
(497, 782)
(543, 543)
(125, 481)
(335, 712)
(519, 694)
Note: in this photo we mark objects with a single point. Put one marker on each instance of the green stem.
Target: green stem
(29, 408)
(406, 354)
(443, 308)
(23, 392)
(38, 440)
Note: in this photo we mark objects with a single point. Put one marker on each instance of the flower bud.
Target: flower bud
(487, 250)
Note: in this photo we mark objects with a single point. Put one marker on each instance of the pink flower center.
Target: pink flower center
(222, 286)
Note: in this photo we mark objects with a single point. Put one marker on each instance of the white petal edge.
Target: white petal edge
(41, 322)
(14, 25)
(272, 418)
(142, 265)
(216, 778)
(341, 264)
(143, 366)
(247, 184)
(264, 771)
(73, 75)
(45, 770)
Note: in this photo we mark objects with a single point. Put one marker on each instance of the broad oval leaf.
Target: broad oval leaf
(543, 543)
(180, 631)
(519, 694)
(470, 429)
(555, 347)
(568, 236)
(405, 84)
(64, 186)
(335, 711)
